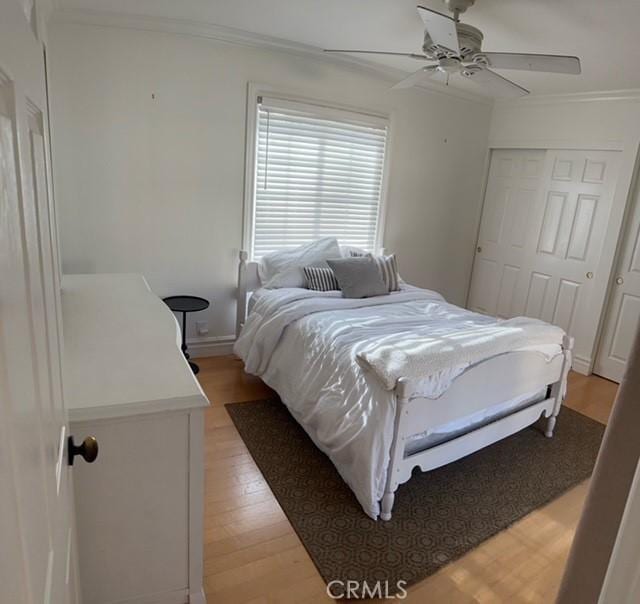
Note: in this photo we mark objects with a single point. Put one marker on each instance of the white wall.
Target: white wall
(583, 119)
(155, 185)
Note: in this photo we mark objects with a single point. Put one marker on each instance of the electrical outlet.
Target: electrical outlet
(202, 328)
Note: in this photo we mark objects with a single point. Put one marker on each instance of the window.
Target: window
(318, 172)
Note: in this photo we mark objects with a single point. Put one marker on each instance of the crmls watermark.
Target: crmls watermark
(361, 590)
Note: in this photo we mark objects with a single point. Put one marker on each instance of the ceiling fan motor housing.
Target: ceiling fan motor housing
(459, 5)
(469, 39)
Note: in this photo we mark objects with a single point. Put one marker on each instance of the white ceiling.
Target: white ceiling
(603, 33)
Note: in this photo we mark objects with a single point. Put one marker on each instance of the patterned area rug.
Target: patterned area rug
(438, 516)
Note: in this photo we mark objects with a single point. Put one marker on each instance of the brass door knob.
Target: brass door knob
(619, 280)
(88, 449)
(479, 249)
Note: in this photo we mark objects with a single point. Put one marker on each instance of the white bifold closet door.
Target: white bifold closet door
(621, 321)
(541, 237)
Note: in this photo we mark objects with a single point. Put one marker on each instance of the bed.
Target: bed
(318, 352)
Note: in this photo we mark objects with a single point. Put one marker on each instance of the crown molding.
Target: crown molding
(631, 94)
(231, 35)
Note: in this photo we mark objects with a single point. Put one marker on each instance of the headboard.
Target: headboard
(248, 281)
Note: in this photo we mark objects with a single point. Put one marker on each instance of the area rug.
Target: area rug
(438, 516)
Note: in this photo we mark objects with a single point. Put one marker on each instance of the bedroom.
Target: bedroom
(169, 136)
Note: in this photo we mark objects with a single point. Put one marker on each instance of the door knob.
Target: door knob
(589, 275)
(88, 449)
(619, 280)
(479, 249)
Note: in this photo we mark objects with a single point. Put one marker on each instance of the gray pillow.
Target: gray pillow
(388, 266)
(358, 277)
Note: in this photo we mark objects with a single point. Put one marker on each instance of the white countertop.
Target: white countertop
(122, 352)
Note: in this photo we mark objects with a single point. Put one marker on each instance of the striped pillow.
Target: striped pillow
(320, 279)
(388, 267)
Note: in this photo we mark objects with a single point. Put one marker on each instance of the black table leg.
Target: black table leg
(193, 366)
(184, 335)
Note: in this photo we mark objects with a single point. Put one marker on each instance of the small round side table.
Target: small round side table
(185, 304)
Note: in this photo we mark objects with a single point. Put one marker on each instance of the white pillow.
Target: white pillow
(347, 249)
(284, 267)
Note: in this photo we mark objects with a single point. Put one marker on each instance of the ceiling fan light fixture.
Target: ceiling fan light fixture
(449, 65)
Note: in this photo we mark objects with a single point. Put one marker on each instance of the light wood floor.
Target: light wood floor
(253, 555)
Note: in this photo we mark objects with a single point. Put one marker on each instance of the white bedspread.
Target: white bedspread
(332, 362)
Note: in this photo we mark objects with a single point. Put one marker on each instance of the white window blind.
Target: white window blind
(318, 173)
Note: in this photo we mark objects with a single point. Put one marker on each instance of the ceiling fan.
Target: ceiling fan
(456, 49)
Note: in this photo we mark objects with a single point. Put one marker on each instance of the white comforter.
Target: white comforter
(334, 361)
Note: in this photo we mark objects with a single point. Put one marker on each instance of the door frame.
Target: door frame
(633, 198)
(622, 580)
(620, 206)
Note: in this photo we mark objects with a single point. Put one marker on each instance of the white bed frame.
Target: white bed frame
(496, 380)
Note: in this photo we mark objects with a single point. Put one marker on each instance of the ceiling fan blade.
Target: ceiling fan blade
(410, 55)
(493, 82)
(415, 78)
(533, 62)
(441, 28)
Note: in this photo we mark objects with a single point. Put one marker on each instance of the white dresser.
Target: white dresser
(139, 506)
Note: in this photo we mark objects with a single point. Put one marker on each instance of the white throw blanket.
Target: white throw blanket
(426, 347)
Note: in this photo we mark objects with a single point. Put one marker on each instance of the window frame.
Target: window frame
(254, 92)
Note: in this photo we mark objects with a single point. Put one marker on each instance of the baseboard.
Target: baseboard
(581, 365)
(180, 596)
(197, 597)
(210, 346)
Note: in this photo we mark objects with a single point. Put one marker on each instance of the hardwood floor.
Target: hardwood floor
(253, 555)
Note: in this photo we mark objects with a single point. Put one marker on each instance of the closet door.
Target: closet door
(503, 251)
(558, 233)
(621, 321)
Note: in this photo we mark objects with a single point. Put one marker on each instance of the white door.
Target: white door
(37, 558)
(541, 236)
(621, 321)
(511, 198)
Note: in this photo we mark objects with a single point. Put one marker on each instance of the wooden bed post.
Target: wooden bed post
(559, 389)
(241, 303)
(397, 452)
